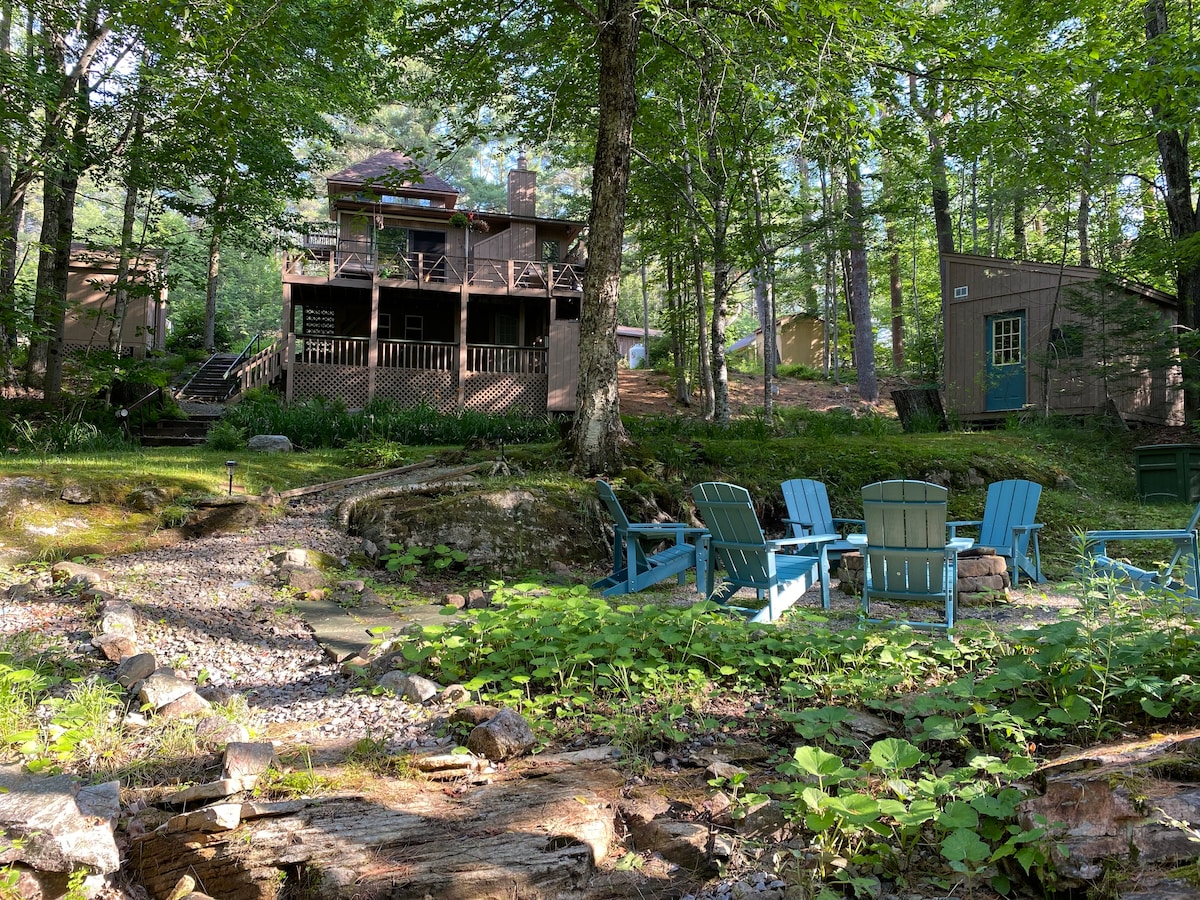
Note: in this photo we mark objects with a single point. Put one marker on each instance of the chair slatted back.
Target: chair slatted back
(906, 537)
(1009, 503)
(808, 501)
(737, 536)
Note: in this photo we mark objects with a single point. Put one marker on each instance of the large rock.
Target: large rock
(1120, 803)
(512, 530)
(58, 824)
(503, 736)
(270, 443)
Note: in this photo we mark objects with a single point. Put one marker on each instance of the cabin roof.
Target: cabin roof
(392, 171)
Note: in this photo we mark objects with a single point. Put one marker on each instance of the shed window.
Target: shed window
(414, 328)
(1006, 341)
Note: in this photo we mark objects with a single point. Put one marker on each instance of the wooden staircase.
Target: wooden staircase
(211, 384)
(189, 432)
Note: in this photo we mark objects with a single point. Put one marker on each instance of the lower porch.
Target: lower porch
(495, 379)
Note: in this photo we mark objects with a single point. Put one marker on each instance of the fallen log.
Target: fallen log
(533, 838)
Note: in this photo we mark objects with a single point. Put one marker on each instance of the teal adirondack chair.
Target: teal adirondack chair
(808, 512)
(908, 557)
(634, 567)
(1008, 526)
(1185, 558)
(736, 541)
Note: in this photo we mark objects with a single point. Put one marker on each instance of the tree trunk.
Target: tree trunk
(897, 294)
(1020, 245)
(128, 218)
(60, 275)
(1182, 212)
(764, 296)
(597, 434)
(44, 302)
(860, 296)
(707, 392)
(10, 222)
(679, 317)
(720, 315)
(210, 288)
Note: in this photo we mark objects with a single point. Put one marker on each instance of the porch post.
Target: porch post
(463, 293)
(373, 344)
(288, 358)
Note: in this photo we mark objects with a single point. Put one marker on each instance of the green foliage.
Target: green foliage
(381, 426)
(411, 561)
(800, 371)
(82, 427)
(224, 435)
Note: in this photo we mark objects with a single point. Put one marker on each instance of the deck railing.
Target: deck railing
(427, 355)
(358, 258)
(262, 368)
(498, 358)
(331, 351)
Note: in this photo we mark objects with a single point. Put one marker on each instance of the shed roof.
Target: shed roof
(1081, 273)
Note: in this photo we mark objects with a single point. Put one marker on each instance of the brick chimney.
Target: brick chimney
(522, 190)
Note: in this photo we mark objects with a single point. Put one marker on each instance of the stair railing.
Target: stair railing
(124, 412)
(249, 350)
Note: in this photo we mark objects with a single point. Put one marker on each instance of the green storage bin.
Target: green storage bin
(1168, 472)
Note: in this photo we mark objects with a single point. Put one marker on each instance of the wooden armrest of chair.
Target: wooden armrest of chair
(801, 541)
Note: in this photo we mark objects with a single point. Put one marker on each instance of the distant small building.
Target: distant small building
(630, 336)
(800, 339)
(1076, 339)
(91, 301)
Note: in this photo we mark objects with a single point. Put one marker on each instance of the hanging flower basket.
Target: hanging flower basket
(470, 221)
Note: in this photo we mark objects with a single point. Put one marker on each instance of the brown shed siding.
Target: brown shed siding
(995, 287)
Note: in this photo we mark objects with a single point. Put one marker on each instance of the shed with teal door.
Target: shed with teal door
(1072, 340)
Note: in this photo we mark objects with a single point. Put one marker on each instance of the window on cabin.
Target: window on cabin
(414, 328)
(385, 326)
(566, 309)
(550, 251)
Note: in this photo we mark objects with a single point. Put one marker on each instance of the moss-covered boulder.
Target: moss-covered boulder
(505, 530)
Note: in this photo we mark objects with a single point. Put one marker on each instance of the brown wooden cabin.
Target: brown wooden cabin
(91, 300)
(1015, 328)
(409, 298)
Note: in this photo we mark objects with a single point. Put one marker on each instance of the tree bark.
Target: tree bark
(597, 435)
(1182, 212)
(860, 296)
(128, 218)
(210, 288)
(897, 294)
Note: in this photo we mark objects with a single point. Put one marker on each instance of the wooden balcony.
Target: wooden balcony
(322, 258)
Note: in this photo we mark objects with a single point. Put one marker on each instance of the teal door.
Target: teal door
(1005, 362)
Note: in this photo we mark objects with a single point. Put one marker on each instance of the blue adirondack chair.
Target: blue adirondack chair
(1008, 526)
(736, 542)
(808, 512)
(908, 557)
(1185, 558)
(636, 564)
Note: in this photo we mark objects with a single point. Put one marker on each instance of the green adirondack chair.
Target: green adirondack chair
(636, 564)
(1008, 526)
(908, 557)
(737, 543)
(1180, 574)
(808, 512)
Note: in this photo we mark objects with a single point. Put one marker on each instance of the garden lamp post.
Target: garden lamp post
(230, 465)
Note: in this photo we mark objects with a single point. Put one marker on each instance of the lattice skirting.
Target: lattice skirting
(412, 387)
(499, 393)
(348, 383)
